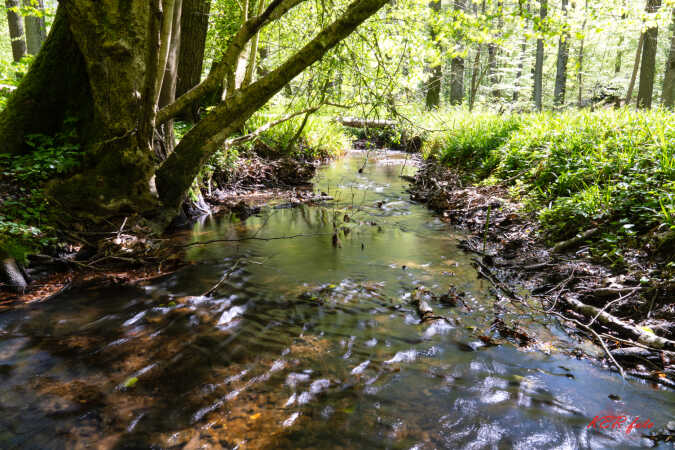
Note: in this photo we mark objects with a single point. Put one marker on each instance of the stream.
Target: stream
(310, 340)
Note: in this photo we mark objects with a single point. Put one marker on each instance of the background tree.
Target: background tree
(539, 60)
(669, 78)
(648, 64)
(561, 65)
(36, 31)
(15, 29)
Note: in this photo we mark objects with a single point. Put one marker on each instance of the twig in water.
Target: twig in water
(222, 279)
(252, 238)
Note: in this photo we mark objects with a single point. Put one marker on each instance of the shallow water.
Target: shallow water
(306, 344)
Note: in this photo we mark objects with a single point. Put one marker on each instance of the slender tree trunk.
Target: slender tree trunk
(493, 51)
(433, 98)
(475, 78)
(636, 67)
(15, 24)
(580, 65)
(561, 65)
(523, 53)
(539, 60)
(165, 145)
(253, 52)
(619, 47)
(35, 27)
(194, 26)
(668, 96)
(648, 65)
(457, 70)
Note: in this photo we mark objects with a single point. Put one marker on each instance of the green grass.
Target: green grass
(320, 138)
(613, 168)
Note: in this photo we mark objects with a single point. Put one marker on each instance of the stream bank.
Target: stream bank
(632, 317)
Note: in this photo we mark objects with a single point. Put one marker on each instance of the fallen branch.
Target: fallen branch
(254, 135)
(252, 238)
(611, 321)
(560, 246)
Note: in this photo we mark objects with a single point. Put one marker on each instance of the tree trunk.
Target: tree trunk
(493, 50)
(15, 29)
(561, 65)
(165, 145)
(123, 69)
(521, 60)
(56, 86)
(539, 60)
(648, 65)
(35, 27)
(636, 67)
(475, 77)
(457, 70)
(668, 96)
(194, 25)
(619, 50)
(253, 53)
(433, 98)
(580, 65)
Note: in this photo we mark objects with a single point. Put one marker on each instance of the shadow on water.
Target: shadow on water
(306, 344)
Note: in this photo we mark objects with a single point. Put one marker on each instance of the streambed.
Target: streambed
(310, 340)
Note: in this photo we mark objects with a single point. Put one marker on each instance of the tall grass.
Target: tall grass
(614, 168)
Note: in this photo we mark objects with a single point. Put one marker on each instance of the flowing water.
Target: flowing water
(308, 344)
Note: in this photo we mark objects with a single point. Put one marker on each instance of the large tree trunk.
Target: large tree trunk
(123, 69)
(35, 26)
(457, 70)
(15, 29)
(561, 65)
(433, 98)
(539, 60)
(668, 96)
(56, 86)
(648, 65)
(194, 25)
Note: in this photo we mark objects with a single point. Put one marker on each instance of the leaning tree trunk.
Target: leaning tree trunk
(648, 65)
(35, 26)
(539, 61)
(194, 25)
(561, 65)
(15, 29)
(636, 67)
(669, 80)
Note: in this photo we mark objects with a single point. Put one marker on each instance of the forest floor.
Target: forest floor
(616, 309)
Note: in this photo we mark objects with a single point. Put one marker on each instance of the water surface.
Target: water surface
(310, 341)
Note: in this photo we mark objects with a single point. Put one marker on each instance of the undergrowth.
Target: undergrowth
(612, 169)
(24, 220)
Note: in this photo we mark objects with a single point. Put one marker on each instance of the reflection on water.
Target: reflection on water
(305, 344)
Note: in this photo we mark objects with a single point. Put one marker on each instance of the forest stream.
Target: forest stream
(310, 339)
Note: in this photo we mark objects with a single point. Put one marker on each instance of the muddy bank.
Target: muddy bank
(629, 312)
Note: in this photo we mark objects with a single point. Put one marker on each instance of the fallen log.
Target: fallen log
(564, 245)
(643, 337)
(356, 122)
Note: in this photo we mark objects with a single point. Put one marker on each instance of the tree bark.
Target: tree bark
(194, 26)
(35, 27)
(57, 85)
(457, 70)
(165, 145)
(561, 65)
(668, 96)
(619, 50)
(15, 29)
(539, 60)
(636, 67)
(433, 98)
(176, 175)
(580, 65)
(521, 60)
(648, 65)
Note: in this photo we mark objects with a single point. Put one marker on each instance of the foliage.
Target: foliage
(24, 223)
(614, 169)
